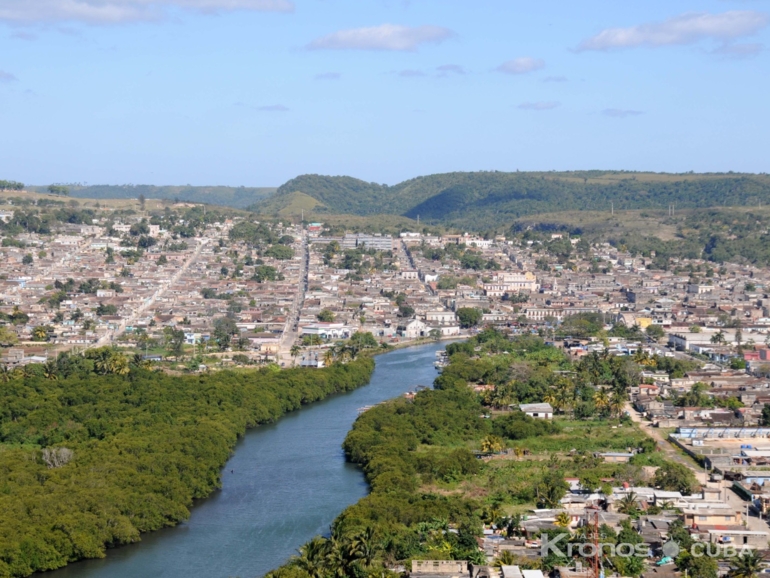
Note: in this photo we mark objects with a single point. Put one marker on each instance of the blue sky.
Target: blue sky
(254, 92)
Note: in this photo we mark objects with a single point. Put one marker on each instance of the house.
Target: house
(537, 410)
(414, 329)
(615, 457)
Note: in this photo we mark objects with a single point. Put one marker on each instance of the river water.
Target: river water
(284, 484)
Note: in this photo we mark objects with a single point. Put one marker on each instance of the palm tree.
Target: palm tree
(5, 374)
(617, 403)
(337, 561)
(747, 565)
(627, 504)
(602, 400)
(718, 338)
(294, 352)
(40, 333)
(50, 370)
(312, 557)
(363, 547)
(513, 525)
(504, 558)
(563, 520)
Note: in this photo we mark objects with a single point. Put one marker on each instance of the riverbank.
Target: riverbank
(420, 457)
(284, 483)
(132, 453)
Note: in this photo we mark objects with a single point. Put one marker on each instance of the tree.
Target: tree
(280, 252)
(8, 337)
(294, 352)
(27, 259)
(325, 316)
(655, 332)
(628, 504)
(675, 477)
(162, 260)
(405, 311)
(492, 444)
(747, 565)
(41, 333)
(224, 329)
(563, 520)
(551, 489)
(469, 316)
(766, 414)
(142, 202)
(718, 338)
(175, 340)
(58, 190)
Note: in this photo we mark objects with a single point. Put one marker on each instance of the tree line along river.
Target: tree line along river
(284, 484)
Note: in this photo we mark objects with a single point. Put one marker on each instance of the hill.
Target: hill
(489, 199)
(237, 197)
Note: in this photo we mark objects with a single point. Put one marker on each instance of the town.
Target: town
(194, 289)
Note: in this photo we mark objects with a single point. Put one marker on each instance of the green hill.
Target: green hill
(485, 199)
(237, 197)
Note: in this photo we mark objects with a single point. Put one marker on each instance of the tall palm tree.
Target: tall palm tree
(312, 557)
(328, 357)
(602, 400)
(747, 565)
(617, 403)
(627, 504)
(337, 561)
(51, 370)
(294, 352)
(363, 547)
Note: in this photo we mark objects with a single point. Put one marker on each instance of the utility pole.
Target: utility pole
(596, 546)
(612, 207)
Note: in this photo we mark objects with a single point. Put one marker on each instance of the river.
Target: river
(284, 484)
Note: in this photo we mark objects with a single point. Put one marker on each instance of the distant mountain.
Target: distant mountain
(492, 198)
(237, 197)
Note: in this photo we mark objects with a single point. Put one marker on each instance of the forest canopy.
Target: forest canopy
(91, 456)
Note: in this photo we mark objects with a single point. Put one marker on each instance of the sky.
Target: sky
(255, 92)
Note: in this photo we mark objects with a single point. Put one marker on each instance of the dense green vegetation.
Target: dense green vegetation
(95, 450)
(487, 199)
(238, 197)
(430, 492)
(11, 186)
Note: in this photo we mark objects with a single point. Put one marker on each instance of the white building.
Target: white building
(537, 410)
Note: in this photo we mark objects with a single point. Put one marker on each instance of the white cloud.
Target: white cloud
(684, 29)
(548, 105)
(555, 79)
(384, 37)
(739, 50)
(118, 11)
(521, 65)
(621, 112)
(7, 76)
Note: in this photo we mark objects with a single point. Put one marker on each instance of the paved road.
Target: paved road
(112, 336)
(291, 329)
(754, 523)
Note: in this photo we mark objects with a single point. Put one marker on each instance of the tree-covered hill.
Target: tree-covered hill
(237, 197)
(482, 199)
